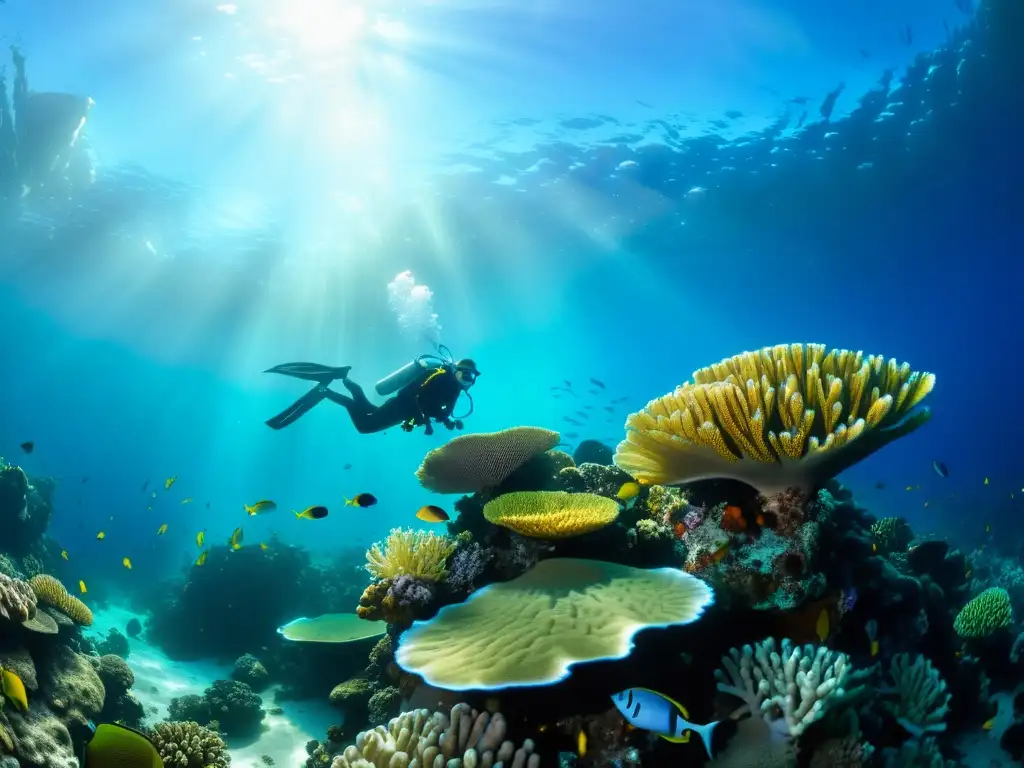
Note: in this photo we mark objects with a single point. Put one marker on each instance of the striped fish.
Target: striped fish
(655, 712)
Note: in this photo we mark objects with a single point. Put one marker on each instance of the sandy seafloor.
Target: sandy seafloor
(159, 679)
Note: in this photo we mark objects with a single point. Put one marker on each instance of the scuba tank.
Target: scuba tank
(408, 372)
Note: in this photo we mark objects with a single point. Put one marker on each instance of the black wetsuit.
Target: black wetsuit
(430, 396)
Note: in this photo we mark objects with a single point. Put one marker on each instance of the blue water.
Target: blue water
(616, 190)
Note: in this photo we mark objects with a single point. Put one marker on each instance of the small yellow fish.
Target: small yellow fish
(14, 689)
(823, 626)
(169, 482)
(986, 481)
(312, 513)
(264, 505)
(581, 744)
(264, 546)
(161, 530)
(201, 560)
(187, 501)
(101, 535)
(874, 548)
(64, 554)
(200, 538)
(913, 487)
(628, 491)
(988, 528)
(236, 539)
(127, 563)
(81, 587)
(987, 725)
(874, 648)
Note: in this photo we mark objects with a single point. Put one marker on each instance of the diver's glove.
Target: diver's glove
(458, 424)
(449, 424)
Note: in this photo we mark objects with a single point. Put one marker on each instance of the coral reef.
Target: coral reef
(114, 643)
(551, 514)
(922, 701)
(788, 416)
(17, 599)
(232, 705)
(249, 670)
(411, 553)
(189, 745)
(985, 614)
(51, 592)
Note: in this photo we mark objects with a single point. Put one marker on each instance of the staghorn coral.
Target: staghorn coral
(551, 514)
(17, 599)
(922, 701)
(891, 535)
(985, 614)
(419, 739)
(789, 416)
(51, 592)
(532, 629)
(792, 689)
(411, 553)
(189, 745)
(471, 463)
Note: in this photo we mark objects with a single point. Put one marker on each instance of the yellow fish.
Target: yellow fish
(988, 528)
(823, 626)
(236, 539)
(14, 689)
(581, 742)
(874, 647)
(628, 491)
(986, 481)
(874, 548)
(987, 725)
(200, 538)
(260, 506)
(169, 482)
(127, 563)
(187, 501)
(64, 554)
(81, 587)
(161, 530)
(264, 546)
(101, 535)
(201, 560)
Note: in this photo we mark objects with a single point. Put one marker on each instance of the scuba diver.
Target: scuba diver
(423, 390)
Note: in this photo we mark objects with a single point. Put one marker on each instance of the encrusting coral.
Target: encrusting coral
(419, 739)
(793, 415)
(51, 592)
(551, 514)
(17, 599)
(189, 745)
(410, 553)
(922, 701)
(790, 689)
(471, 463)
(532, 629)
(987, 613)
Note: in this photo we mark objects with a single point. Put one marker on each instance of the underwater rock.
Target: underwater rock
(114, 644)
(593, 452)
(72, 687)
(43, 741)
(249, 670)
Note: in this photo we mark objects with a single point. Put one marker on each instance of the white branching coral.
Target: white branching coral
(789, 690)
(922, 701)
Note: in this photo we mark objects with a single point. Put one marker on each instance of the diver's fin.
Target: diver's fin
(299, 408)
(323, 374)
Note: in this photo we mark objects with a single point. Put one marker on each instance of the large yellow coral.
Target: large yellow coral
(52, 593)
(551, 514)
(411, 553)
(788, 416)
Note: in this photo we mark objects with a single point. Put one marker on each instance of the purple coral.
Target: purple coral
(407, 591)
(466, 567)
(693, 518)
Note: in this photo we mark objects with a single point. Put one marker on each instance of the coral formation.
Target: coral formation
(987, 613)
(471, 463)
(411, 553)
(189, 745)
(235, 706)
(114, 643)
(532, 629)
(892, 534)
(17, 599)
(551, 514)
(50, 591)
(785, 416)
(463, 739)
(922, 701)
(249, 670)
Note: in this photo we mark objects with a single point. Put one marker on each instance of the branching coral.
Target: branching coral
(410, 553)
(922, 701)
(17, 599)
(471, 463)
(464, 739)
(189, 745)
(51, 592)
(892, 534)
(786, 416)
(987, 613)
(551, 514)
(790, 690)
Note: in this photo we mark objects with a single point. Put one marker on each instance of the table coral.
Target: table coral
(551, 514)
(788, 416)
(532, 629)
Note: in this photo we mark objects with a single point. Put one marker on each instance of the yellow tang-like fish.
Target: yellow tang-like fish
(169, 482)
(628, 491)
(14, 689)
(201, 560)
(161, 530)
(265, 505)
(264, 546)
(236, 539)
(101, 535)
(127, 563)
(312, 513)
(81, 587)
(64, 554)
(200, 538)
(823, 626)
(187, 501)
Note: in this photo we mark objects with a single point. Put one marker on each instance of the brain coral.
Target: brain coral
(470, 463)
(51, 592)
(986, 613)
(532, 629)
(551, 514)
(789, 416)
(17, 600)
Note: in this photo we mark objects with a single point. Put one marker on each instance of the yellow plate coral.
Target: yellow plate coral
(789, 416)
(531, 630)
(329, 628)
(551, 514)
